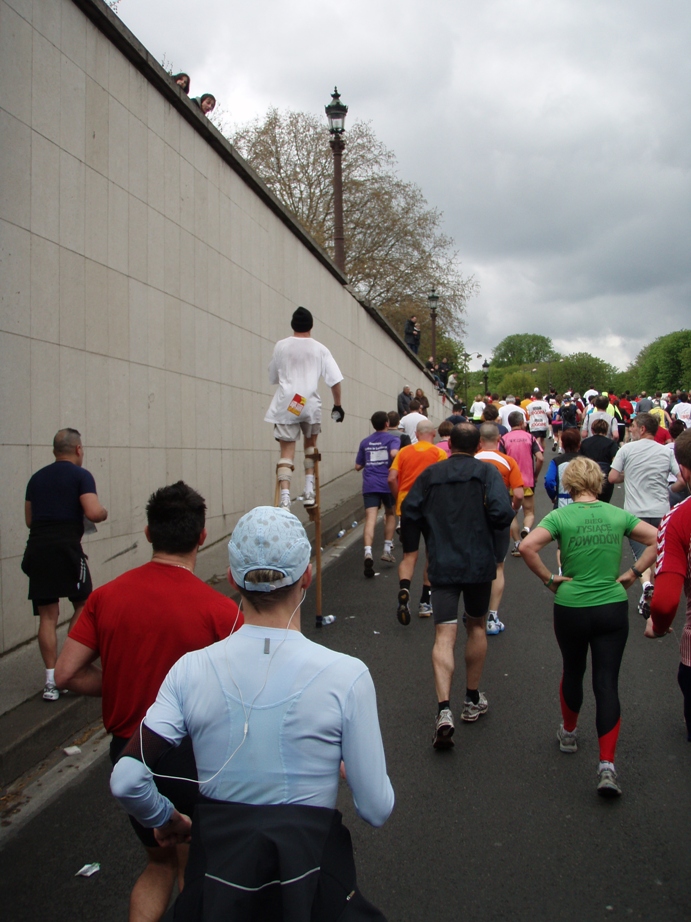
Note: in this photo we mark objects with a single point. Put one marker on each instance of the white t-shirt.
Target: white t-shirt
(646, 466)
(296, 366)
(477, 409)
(409, 424)
(539, 415)
(506, 410)
(682, 411)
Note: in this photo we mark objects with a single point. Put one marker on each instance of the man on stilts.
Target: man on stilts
(296, 366)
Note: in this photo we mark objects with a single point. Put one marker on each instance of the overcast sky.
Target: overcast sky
(554, 135)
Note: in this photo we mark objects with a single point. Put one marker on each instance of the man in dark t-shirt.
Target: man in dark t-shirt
(58, 498)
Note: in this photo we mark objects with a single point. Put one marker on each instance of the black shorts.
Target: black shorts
(501, 540)
(539, 433)
(56, 564)
(445, 601)
(182, 794)
(376, 500)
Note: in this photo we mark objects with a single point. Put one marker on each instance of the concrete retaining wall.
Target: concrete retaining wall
(146, 273)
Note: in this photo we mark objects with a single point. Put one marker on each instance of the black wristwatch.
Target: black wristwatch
(637, 573)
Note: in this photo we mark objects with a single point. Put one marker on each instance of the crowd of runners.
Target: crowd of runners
(468, 487)
(231, 729)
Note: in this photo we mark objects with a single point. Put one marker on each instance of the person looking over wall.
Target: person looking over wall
(183, 81)
(206, 102)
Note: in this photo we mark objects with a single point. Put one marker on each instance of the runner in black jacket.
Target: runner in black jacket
(456, 505)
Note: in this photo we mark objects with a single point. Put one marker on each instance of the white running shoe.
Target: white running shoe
(309, 498)
(568, 740)
(50, 693)
(471, 711)
(443, 730)
(494, 625)
(607, 785)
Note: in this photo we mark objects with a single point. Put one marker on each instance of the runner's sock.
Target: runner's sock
(492, 616)
(472, 694)
(442, 705)
(50, 677)
(368, 550)
(285, 496)
(426, 590)
(309, 483)
(404, 584)
(388, 547)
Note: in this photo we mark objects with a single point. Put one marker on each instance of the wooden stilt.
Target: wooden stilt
(314, 513)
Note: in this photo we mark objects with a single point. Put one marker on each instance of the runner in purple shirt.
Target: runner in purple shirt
(374, 458)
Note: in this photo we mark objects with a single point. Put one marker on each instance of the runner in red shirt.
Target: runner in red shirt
(140, 624)
(672, 572)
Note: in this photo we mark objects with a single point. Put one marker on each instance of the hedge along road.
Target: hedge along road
(502, 827)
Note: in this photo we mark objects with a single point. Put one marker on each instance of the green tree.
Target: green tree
(664, 364)
(582, 370)
(516, 383)
(523, 349)
(395, 249)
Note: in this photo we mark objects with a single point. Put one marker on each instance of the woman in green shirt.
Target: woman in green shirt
(591, 605)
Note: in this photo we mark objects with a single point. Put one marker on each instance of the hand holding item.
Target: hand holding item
(337, 414)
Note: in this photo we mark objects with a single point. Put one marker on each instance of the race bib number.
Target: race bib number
(297, 405)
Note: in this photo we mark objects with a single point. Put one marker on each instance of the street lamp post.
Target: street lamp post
(485, 371)
(433, 302)
(336, 112)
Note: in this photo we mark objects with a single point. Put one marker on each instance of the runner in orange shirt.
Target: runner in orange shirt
(408, 464)
(513, 481)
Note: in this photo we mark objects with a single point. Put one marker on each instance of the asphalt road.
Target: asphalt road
(502, 827)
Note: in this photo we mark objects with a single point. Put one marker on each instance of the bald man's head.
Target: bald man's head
(425, 430)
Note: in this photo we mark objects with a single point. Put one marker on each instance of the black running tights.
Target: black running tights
(603, 628)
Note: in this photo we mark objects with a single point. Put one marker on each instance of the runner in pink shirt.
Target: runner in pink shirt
(525, 450)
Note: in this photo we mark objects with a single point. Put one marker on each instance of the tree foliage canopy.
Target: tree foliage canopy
(664, 364)
(395, 250)
(522, 349)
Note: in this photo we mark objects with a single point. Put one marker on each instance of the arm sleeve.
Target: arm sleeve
(663, 606)
(273, 369)
(331, 373)
(551, 524)
(363, 753)
(515, 476)
(131, 782)
(631, 522)
(551, 480)
(87, 484)
(85, 631)
(619, 460)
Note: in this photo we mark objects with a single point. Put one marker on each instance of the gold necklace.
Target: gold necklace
(169, 563)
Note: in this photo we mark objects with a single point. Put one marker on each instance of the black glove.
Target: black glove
(337, 414)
